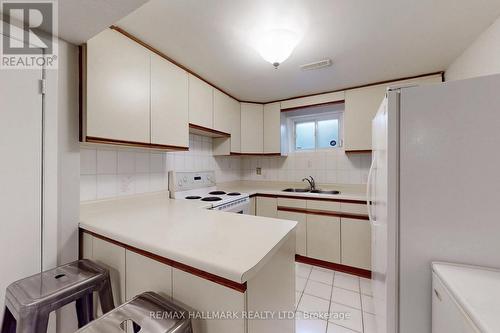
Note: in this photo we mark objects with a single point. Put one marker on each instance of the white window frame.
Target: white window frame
(293, 121)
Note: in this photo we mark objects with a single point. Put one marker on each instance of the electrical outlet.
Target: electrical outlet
(258, 171)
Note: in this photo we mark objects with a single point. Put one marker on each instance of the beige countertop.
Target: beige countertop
(229, 245)
(347, 192)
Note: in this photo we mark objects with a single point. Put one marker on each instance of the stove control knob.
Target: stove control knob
(184, 179)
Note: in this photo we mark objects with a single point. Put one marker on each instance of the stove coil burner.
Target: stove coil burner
(211, 199)
(217, 193)
(193, 197)
(233, 194)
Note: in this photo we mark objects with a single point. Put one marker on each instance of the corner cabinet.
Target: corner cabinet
(136, 100)
(227, 118)
(362, 104)
(169, 103)
(252, 128)
(201, 103)
(272, 128)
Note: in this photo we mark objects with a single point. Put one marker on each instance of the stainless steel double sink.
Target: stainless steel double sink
(305, 190)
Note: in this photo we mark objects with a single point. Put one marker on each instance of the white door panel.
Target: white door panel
(20, 176)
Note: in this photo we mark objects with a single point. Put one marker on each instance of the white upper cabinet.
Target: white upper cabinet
(362, 104)
(236, 127)
(201, 102)
(252, 128)
(227, 119)
(223, 107)
(272, 128)
(118, 88)
(169, 103)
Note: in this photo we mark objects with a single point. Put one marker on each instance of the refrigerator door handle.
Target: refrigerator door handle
(369, 188)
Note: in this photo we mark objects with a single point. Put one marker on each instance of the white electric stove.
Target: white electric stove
(201, 186)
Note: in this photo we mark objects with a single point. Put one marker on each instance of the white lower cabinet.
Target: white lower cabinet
(300, 231)
(356, 243)
(205, 296)
(267, 207)
(446, 314)
(144, 274)
(323, 238)
(112, 257)
(252, 206)
(269, 289)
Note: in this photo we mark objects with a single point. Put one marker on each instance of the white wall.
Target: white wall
(326, 166)
(112, 172)
(481, 58)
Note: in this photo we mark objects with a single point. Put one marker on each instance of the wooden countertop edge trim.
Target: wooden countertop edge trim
(240, 287)
(367, 274)
(93, 139)
(265, 195)
(324, 213)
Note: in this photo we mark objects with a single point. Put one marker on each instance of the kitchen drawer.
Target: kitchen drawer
(292, 203)
(332, 206)
(354, 208)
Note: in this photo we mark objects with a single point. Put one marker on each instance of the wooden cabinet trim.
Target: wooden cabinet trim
(324, 213)
(358, 151)
(333, 266)
(357, 87)
(255, 154)
(93, 139)
(360, 202)
(210, 131)
(241, 287)
(342, 101)
(163, 55)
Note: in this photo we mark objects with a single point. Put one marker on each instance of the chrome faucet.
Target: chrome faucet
(312, 183)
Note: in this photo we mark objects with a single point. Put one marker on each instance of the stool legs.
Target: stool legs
(85, 310)
(8, 323)
(106, 297)
(36, 322)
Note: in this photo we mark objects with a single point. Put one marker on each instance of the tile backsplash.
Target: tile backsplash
(326, 166)
(107, 172)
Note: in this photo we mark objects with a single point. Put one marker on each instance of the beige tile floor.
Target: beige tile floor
(332, 302)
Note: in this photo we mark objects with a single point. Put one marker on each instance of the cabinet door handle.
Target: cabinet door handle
(437, 295)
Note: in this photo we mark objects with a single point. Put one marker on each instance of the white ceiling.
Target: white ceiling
(367, 40)
(79, 20)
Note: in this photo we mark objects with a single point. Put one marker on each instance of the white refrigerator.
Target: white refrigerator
(434, 188)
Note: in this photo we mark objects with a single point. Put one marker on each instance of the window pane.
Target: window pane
(328, 133)
(304, 136)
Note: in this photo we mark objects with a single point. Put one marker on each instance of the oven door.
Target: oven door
(241, 206)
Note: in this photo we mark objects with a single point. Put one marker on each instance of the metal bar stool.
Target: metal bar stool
(145, 313)
(28, 302)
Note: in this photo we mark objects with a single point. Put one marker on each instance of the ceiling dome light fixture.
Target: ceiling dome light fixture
(277, 45)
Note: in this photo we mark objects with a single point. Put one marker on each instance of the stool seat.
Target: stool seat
(29, 301)
(145, 313)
